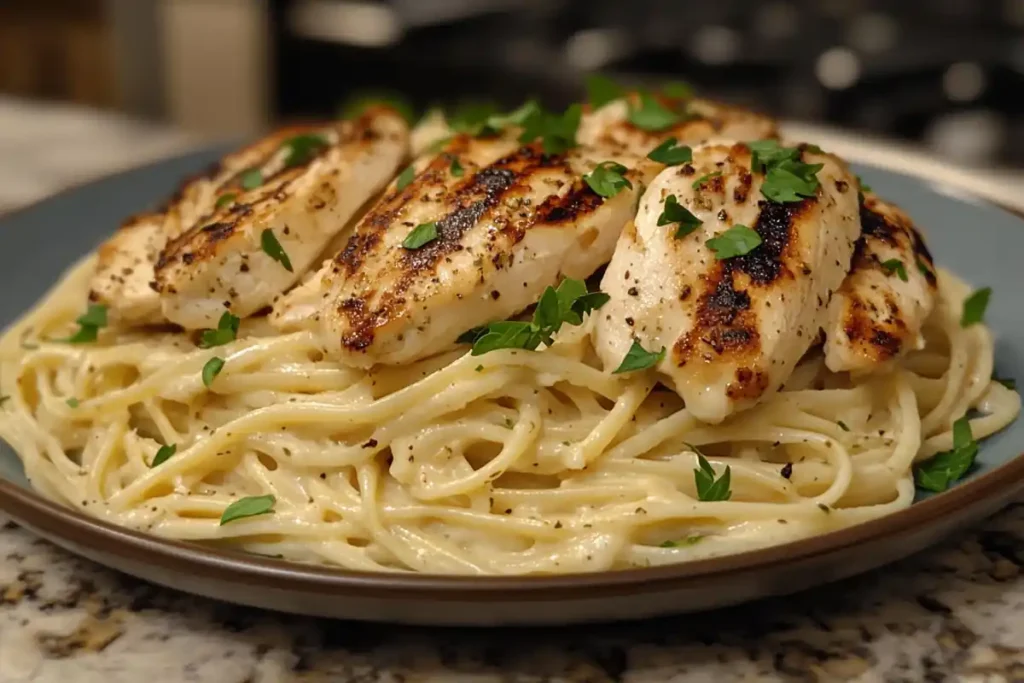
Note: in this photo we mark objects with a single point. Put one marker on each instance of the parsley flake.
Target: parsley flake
(608, 179)
(569, 303)
(360, 102)
(557, 132)
(894, 265)
(224, 200)
(674, 212)
(679, 90)
(739, 240)
(303, 148)
(226, 332)
(767, 153)
(89, 325)
(670, 153)
(974, 307)
(250, 506)
(163, 455)
(272, 248)
(791, 181)
(942, 469)
(72, 402)
(652, 115)
(693, 539)
(704, 178)
(422, 234)
(251, 179)
(456, 168)
(601, 90)
(405, 177)
(710, 489)
(212, 369)
(864, 187)
(638, 358)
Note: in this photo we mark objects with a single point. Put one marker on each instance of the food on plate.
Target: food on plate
(637, 331)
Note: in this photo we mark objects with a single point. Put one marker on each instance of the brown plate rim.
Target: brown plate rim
(25, 505)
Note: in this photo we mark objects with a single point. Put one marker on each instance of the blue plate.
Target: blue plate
(979, 241)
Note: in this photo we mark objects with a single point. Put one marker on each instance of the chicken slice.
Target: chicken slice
(878, 312)
(703, 120)
(265, 232)
(512, 223)
(124, 277)
(733, 329)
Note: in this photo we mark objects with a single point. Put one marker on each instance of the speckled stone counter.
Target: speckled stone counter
(955, 613)
(952, 614)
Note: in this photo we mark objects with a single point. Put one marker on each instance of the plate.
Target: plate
(977, 240)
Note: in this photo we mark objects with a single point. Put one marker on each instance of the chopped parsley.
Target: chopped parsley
(693, 539)
(72, 402)
(638, 358)
(710, 489)
(251, 179)
(212, 369)
(89, 325)
(360, 102)
(674, 212)
(164, 454)
(942, 469)
(303, 148)
(567, 304)
(456, 168)
(608, 179)
(601, 90)
(921, 267)
(272, 248)
(224, 200)
(422, 234)
(670, 153)
(894, 265)
(226, 332)
(739, 240)
(864, 187)
(405, 177)
(679, 90)
(704, 178)
(974, 307)
(557, 132)
(652, 115)
(791, 181)
(787, 179)
(482, 119)
(250, 506)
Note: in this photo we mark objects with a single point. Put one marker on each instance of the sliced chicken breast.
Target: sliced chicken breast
(301, 186)
(878, 312)
(513, 222)
(733, 329)
(124, 278)
(702, 120)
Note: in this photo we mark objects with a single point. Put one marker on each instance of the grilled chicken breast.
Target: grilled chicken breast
(301, 187)
(124, 278)
(878, 312)
(733, 329)
(704, 120)
(513, 222)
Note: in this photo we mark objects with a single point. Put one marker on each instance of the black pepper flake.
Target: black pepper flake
(558, 525)
(787, 470)
(633, 291)
(824, 508)
(495, 294)
(630, 322)
(372, 443)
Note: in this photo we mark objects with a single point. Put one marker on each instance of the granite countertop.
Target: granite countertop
(955, 613)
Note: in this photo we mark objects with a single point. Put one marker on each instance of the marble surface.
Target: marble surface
(955, 613)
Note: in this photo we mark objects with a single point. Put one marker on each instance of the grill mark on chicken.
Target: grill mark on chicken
(725, 321)
(768, 262)
(477, 196)
(377, 222)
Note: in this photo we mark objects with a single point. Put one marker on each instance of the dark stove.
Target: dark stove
(946, 73)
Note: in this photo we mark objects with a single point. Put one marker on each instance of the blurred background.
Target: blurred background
(943, 75)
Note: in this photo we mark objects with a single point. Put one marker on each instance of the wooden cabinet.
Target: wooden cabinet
(57, 49)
